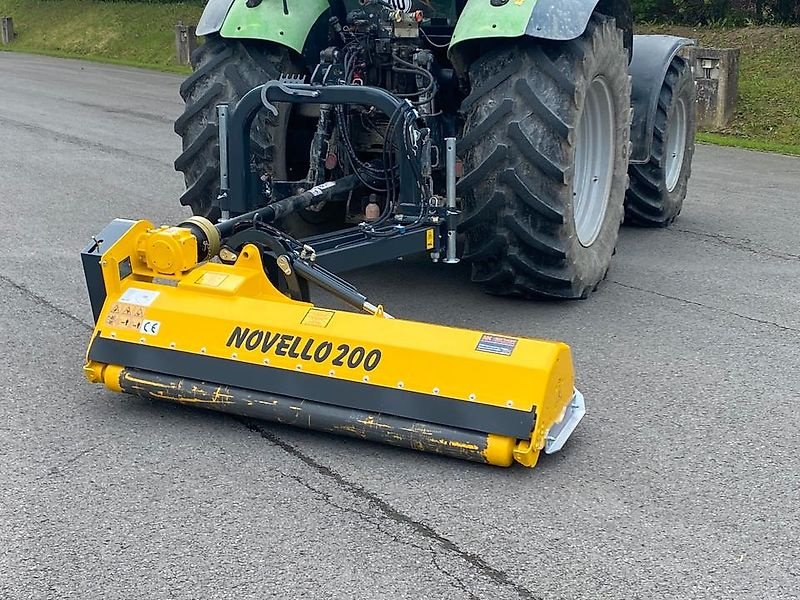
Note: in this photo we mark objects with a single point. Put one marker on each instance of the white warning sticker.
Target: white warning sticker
(150, 327)
(138, 296)
(496, 344)
(317, 191)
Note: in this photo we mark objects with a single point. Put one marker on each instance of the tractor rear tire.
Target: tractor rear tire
(224, 71)
(658, 187)
(542, 206)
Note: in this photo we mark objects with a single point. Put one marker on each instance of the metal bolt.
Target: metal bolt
(435, 391)
(227, 255)
(284, 265)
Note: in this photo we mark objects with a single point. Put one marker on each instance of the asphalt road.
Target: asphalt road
(683, 481)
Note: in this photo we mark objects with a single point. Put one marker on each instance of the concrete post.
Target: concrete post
(185, 43)
(7, 34)
(716, 75)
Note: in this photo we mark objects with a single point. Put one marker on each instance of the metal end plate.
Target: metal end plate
(560, 432)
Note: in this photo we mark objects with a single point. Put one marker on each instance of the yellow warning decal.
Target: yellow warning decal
(211, 279)
(125, 316)
(318, 317)
(429, 239)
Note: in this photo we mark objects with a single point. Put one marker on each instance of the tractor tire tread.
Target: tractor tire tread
(224, 71)
(521, 118)
(648, 202)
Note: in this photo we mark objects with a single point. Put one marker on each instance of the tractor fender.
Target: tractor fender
(268, 21)
(213, 16)
(559, 20)
(545, 19)
(652, 55)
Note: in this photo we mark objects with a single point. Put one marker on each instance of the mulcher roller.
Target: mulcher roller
(172, 326)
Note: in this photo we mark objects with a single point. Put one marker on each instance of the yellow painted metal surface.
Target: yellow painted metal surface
(233, 312)
(168, 250)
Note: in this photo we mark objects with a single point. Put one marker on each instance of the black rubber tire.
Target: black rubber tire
(519, 151)
(225, 70)
(649, 202)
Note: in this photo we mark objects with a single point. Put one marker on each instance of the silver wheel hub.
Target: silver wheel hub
(676, 144)
(594, 162)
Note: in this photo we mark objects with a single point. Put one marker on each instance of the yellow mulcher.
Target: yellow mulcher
(173, 325)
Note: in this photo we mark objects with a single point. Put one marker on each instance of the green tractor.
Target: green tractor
(526, 129)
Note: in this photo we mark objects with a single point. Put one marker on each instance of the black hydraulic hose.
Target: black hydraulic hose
(428, 92)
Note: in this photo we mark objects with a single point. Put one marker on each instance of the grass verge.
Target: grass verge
(128, 33)
(732, 141)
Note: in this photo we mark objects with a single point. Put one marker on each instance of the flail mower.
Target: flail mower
(323, 136)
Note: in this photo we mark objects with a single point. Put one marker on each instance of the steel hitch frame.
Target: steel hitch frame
(420, 225)
(240, 196)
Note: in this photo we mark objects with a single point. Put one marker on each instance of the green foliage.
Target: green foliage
(653, 10)
(702, 11)
(717, 12)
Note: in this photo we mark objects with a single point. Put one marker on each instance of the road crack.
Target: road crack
(81, 142)
(744, 245)
(37, 299)
(328, 500)
(706, 306)
(457, 580)
(425, 531)
(125, 111)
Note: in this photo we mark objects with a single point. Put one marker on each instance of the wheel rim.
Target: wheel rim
(676, 144)
(594, 162)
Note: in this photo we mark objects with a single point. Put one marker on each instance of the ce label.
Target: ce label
(150, 327)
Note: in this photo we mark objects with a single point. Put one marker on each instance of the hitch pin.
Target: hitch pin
(452, 213)
(222, 132)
